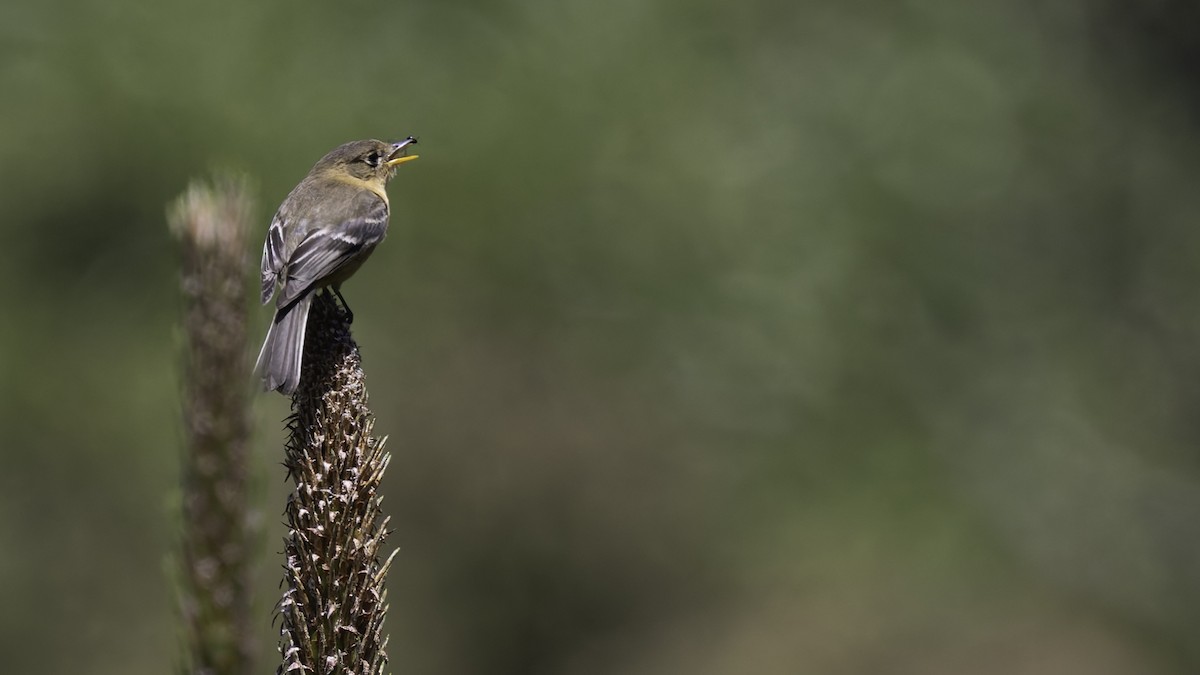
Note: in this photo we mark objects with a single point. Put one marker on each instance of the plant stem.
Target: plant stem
(333, 608)
(212, 224)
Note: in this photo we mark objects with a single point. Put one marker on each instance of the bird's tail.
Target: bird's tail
(282, 351)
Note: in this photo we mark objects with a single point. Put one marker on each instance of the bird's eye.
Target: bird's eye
(373, 158)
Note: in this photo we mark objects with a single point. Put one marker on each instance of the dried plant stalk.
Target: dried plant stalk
(212, 223)
(333, 608)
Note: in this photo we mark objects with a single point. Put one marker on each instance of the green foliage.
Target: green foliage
(712, 337)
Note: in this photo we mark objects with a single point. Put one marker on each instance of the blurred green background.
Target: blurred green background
(711, 337)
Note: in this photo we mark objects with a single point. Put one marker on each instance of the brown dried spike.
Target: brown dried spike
(336, 527)
(212, 224)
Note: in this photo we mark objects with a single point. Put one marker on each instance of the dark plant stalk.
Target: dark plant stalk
(212, 223)
(333, 608)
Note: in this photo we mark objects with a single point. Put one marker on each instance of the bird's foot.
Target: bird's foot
(347, 314)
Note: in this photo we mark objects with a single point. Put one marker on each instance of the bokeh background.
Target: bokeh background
(710, 337)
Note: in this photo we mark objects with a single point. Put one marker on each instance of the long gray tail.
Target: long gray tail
(282, 351)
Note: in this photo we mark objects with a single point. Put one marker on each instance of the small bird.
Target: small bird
(328, 225)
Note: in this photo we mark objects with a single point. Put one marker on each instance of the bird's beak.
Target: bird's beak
(400, 152)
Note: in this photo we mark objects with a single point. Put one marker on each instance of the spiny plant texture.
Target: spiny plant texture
(212, 224)
(333, 608)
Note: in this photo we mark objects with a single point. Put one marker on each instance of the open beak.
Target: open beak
(400, 152)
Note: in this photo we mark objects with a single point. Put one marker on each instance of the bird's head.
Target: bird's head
(370, 160)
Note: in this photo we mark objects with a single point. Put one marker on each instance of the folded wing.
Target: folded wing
(328, 250)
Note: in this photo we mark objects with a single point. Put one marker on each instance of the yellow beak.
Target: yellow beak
(401, 160)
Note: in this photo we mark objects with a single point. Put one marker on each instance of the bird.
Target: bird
(324, 230)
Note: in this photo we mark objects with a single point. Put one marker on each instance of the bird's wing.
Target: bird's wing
(273, 257)
(326, 250)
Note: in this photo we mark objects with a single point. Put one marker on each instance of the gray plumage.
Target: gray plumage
(281, 355)
(325, 229)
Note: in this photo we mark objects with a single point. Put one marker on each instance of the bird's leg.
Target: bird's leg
(345, 305)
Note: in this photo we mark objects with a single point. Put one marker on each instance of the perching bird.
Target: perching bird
(328, 225)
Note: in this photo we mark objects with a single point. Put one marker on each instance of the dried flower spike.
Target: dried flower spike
(334, 604)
